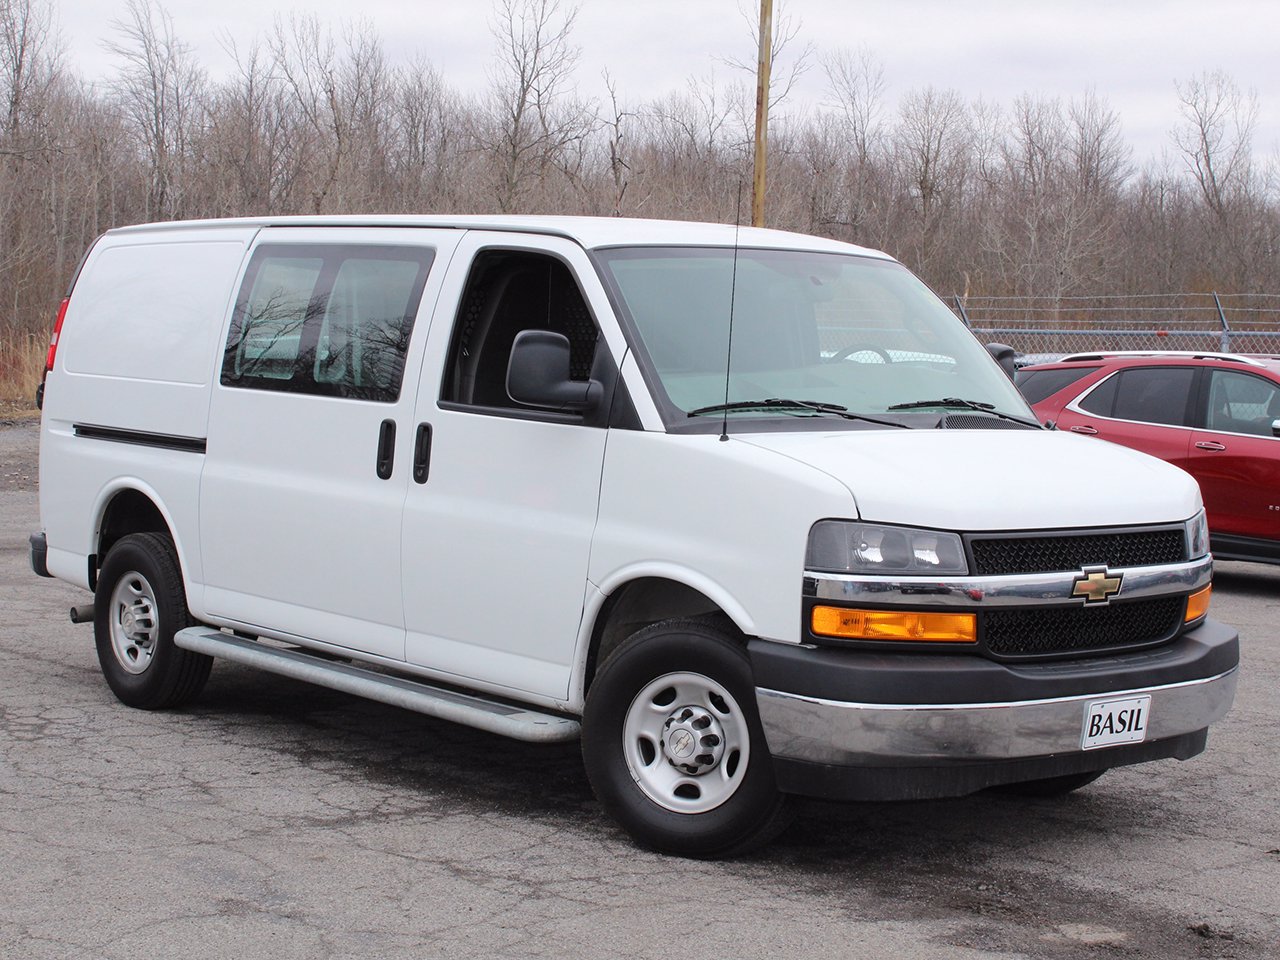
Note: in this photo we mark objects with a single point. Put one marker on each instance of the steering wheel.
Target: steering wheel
(845, 352)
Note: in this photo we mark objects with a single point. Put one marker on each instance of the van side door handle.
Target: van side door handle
(422, 453)
(386, 449)
(1210, 445)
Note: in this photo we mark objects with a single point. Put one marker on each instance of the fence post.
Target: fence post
(963, 314)
(1226, 328)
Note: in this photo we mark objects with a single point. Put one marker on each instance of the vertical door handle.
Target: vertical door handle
(1085, 429)
(386, 449)
(1210, 445)
(422, 453)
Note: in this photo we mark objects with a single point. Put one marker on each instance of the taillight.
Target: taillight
(57, 329)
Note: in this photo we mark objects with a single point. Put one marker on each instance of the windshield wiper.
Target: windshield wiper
(780, 403)
(963, 404)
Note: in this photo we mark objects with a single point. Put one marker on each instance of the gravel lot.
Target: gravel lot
(273, 819)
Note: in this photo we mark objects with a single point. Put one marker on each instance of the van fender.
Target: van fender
(597, 595)
(117, 485)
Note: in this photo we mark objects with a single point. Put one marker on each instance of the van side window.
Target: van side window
(326, 319)
(508, 292)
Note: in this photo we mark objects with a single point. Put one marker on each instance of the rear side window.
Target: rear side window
(1144, 394)
(326, 319)
(1036, 385)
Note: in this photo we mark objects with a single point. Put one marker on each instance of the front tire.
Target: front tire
(673, 745)
(139, 604)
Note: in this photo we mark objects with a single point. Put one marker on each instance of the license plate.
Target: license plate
(1110, 722)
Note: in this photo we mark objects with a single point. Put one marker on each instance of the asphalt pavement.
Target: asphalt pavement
(274, 819)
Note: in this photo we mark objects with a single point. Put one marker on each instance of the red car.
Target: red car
(1215, 415)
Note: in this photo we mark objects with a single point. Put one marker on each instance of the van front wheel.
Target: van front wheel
(673, 745)
(138, 606)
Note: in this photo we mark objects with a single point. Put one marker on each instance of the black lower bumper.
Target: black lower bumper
(39, 554)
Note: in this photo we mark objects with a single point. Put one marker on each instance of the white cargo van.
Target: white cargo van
(751, 513)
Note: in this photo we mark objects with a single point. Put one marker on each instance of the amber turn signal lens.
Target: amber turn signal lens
(1198, 604)
(894, 625)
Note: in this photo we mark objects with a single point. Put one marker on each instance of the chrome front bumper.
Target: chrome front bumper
(876, 734)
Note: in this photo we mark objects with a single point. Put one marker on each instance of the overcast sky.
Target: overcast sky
(1129, 51)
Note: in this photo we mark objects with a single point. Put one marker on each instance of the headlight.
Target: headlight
(1197, 536)
(847, 546)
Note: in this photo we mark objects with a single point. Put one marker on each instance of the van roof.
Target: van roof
(589, 232)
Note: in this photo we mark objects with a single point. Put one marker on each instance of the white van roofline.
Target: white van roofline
(588, 232)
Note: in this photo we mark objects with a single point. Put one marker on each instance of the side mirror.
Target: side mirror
(538, 374)
(1005, 356)
(1275, 428)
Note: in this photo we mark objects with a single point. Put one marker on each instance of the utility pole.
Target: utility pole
(763, 66)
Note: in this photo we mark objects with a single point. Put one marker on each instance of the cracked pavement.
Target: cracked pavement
(274, 819)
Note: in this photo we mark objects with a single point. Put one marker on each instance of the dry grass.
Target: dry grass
(22, 358)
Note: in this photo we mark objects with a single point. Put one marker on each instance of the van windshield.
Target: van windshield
(843, 331)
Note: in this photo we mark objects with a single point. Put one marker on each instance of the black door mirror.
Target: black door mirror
(1005, 356)
(538, 374)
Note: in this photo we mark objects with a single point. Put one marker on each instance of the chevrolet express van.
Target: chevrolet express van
(751, 514)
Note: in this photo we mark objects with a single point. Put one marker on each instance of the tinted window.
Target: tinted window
(1038, 384)
(1101, 398)
(326, 319)
(1154, 395)
(1240, 403)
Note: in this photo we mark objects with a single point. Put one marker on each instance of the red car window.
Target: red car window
(1144, 394)
(1241, 403)
(1036, 385)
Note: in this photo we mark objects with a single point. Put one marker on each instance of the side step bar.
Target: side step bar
(519, 723)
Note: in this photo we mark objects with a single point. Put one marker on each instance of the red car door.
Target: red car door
(1144, 408)
(1236, 459)
(1239, 479)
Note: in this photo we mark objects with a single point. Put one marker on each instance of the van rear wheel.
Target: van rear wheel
(139, 605)
(673, 745)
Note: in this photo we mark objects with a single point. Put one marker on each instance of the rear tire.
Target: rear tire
(673, 745)
(140, 603)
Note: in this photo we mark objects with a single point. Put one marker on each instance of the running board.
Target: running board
(519, 723)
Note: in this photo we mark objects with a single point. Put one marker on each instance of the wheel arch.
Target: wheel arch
(640, 599)
(127, 506)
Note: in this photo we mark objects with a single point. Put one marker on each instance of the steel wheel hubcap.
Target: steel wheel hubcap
(134, 622)
(686, 742)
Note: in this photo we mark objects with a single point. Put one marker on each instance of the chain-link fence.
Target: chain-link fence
(1046, 328)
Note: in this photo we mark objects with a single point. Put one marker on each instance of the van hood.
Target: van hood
(992, 479)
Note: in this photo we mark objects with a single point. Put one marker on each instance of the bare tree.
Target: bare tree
(427, 139)
(856, 88)
(160, 88)
(616, 131)
(534, 120)
(930, 155)
(1216, 136)
(29, 57)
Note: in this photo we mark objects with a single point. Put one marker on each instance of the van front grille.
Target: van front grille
(1046, 631)
(1000, 556)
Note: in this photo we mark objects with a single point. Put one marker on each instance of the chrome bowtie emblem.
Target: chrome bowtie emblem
(1096, 585)
(682, 743)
